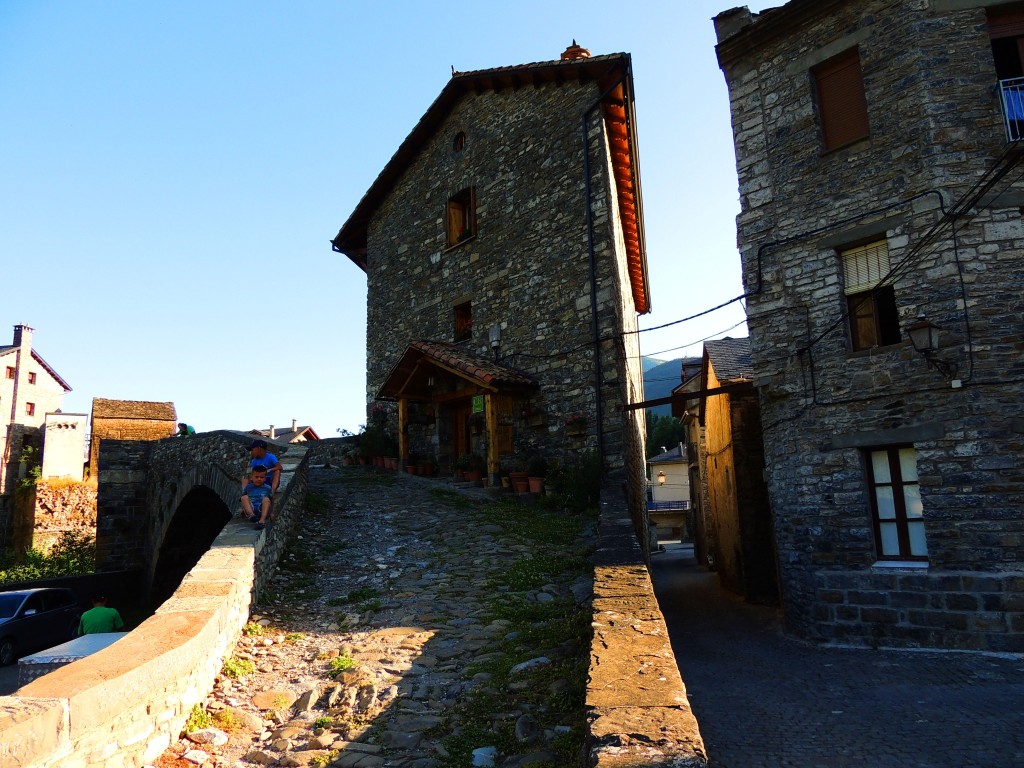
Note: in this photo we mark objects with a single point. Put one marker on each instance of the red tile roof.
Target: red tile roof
(451, 357)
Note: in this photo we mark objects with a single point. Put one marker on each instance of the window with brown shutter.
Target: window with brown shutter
(871, 308)
(462, 216)
(842, 106)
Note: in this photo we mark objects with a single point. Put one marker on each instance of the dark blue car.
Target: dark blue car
(34, 619)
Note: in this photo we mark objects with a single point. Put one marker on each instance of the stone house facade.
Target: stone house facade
(129, 420)
(29, 389)
(504, 255)
(737, 525)
(879, 196)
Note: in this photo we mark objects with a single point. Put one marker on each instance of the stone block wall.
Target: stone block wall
(935, 131)
(637, 709)
(64, 445)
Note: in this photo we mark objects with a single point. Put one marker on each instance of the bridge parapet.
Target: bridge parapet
(124, 706)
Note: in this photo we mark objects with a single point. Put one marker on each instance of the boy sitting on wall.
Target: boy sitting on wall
(256, 497)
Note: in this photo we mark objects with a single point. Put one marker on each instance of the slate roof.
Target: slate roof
(7, 348)
(731, 359)
(609, 70)
(454, 358)
(132, 409)
(672, 456)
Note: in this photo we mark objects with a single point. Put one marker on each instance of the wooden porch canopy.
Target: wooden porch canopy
(415, 376)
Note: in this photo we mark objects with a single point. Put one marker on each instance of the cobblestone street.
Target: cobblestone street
(766, 700)
(410, 624)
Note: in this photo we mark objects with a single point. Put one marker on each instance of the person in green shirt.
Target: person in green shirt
(99, 618)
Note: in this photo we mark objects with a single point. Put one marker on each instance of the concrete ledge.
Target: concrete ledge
(637, 710)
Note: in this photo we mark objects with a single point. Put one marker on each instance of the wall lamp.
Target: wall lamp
(924, 335)
(661, 478)
(494, 336)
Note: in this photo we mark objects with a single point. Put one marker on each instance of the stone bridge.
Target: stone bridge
(162, 504)
(167, 508)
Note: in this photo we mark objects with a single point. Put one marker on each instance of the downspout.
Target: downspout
(595, 331)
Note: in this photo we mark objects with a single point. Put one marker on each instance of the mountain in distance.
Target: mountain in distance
(647, 363)
(661, 378)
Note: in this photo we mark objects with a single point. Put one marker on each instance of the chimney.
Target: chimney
(293, 425)
(23, 336)
(575, 52)
(273, 434)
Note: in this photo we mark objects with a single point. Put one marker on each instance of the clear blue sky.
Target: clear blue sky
(171, 174)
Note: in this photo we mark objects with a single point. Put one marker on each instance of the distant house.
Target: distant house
(296, 434)
(29, 389)
(738, 514)
(670, 490)
(129, 420)
(503, 246)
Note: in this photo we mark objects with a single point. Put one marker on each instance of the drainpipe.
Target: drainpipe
(595, 331)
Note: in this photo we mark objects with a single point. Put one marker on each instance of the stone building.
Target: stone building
(878, 178)
(64, 445)
(737, 522)
(503, 248)
(129, 420)
(29, 389)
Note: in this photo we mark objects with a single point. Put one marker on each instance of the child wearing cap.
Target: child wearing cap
(260, 458)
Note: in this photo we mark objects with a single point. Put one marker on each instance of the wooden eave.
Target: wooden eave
(408, 379)
(613, 71)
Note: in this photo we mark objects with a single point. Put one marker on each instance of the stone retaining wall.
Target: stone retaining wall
(637, 708)
(124, 706)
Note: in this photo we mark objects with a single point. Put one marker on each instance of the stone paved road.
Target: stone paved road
(764, 699)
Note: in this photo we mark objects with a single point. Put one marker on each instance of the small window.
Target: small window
(464, 321)
(10, 371)
(896, 509)
(871, 308)
(31, 377)
(842, 105)
(1006, 32)
(462, 216)
(459, 142)
(30, 409)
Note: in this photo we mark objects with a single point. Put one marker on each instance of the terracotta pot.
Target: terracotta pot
(520, 485)
(411, 469)
(536, 484)
(473, 475)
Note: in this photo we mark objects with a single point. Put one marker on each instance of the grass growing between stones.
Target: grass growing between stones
(236, 668)
(551, 694)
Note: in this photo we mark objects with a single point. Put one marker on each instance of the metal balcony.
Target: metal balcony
(1011, 95)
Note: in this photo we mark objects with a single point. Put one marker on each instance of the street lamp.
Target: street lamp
(924, 335)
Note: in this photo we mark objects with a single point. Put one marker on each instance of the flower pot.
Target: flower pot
(411, 469)
(575, 430)
(521, 484)
(536, 484)
(506, 482)
(473, 475)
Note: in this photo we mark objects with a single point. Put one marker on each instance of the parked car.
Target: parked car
(34, 619)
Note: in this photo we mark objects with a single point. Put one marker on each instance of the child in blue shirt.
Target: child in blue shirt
(256, 497)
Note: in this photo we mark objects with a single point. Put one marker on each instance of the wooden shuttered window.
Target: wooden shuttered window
(461, 216)
(865, 266)
(871, 309)
(842, 105)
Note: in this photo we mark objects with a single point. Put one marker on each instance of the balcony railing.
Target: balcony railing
(1011, 94)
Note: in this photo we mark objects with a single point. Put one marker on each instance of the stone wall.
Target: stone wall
(63, 506)
(637, 709)
(64, 445)
(526, 269)
(935, 128)
(122, 707)
(105, 428)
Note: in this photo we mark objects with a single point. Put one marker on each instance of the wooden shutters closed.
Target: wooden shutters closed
(842, 106)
